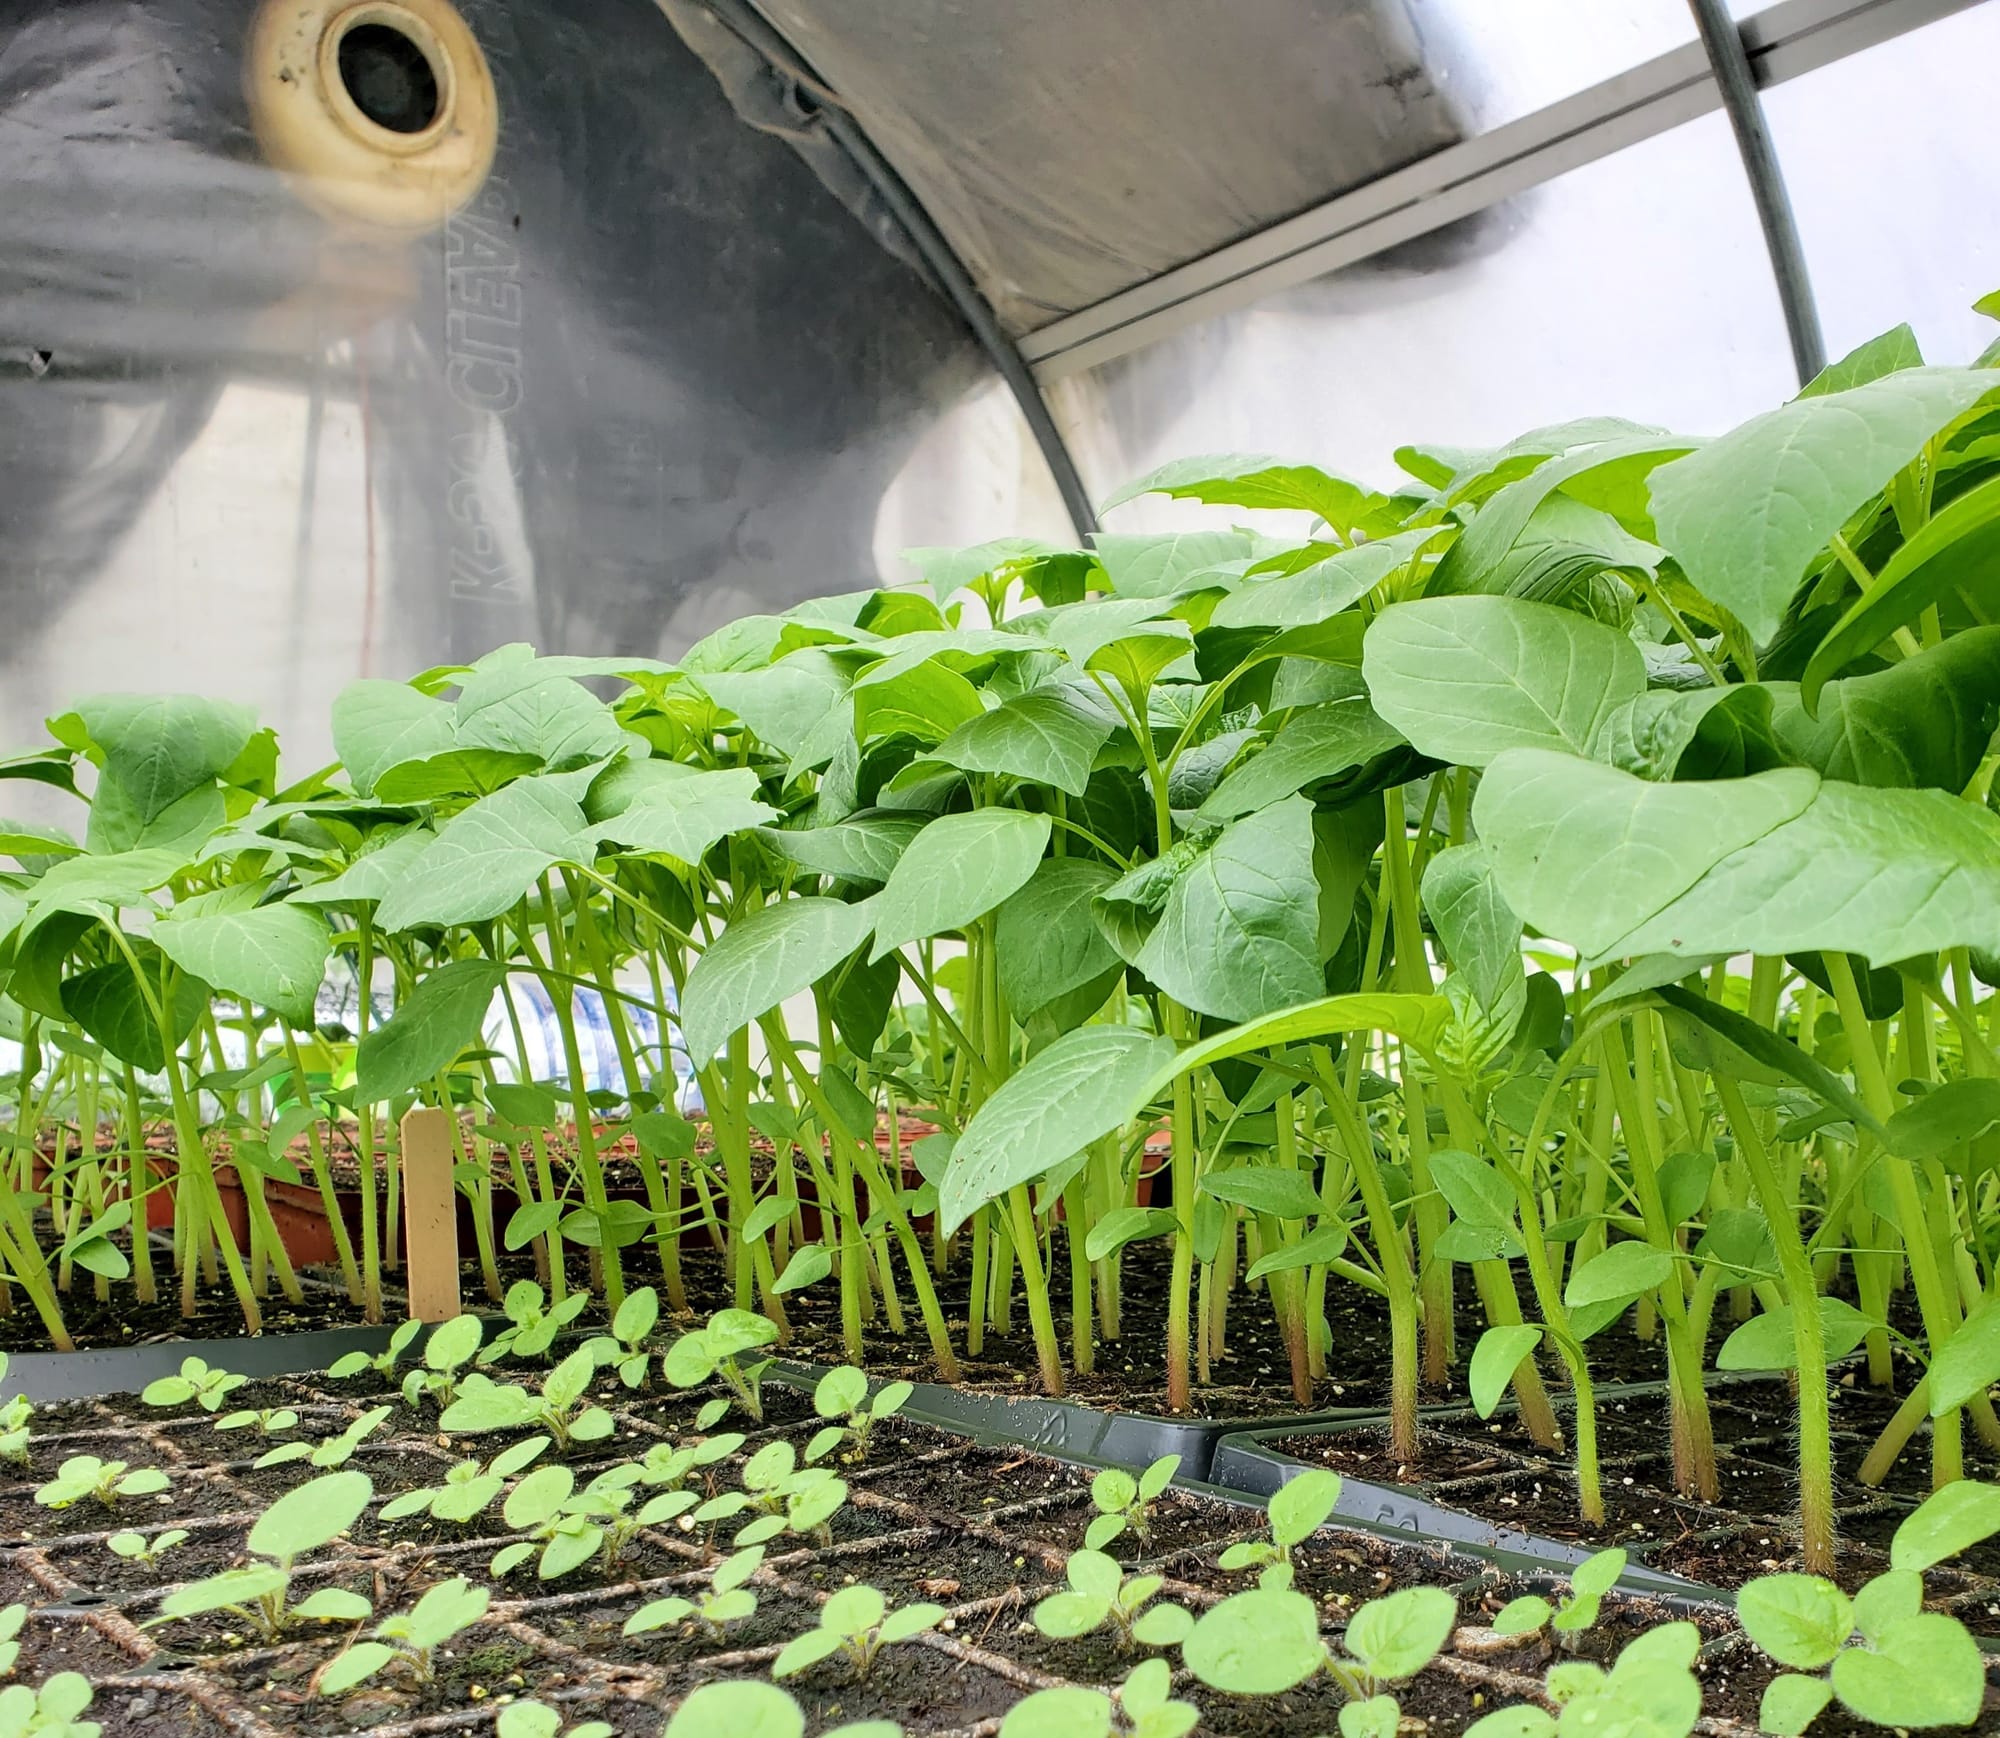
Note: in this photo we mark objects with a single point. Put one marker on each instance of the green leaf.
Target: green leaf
(928, 700)
(1273, 1189)
(105, 1001)
(1048, 942)
(1310, 595)
(1495, 1359)
(1396, 1637)
(1316, 1248)
(1481, 934)
(1260, 1643)
(1303, 1503)
(274, 955)
(954, 872)
(1315, 743)
(529, 709)
(1377, 1717)
(1791, 1704)
(377, 725)
(1523, 1720)
(1953, 550)
(1254, 480)
(1894, 350)
(370, 876)
(1167, 564)
(443, 1015)
(792, 706)
(761, 960)
(458, 772)
(1945, 1118)
(861, 849)
(1746, 514)
(1929, 1672)
(1946, 1523)
(311, 1515)
(1968, 1363)
(682, 817)
(1466, 678)
(490, 856)
(1239, 936)
(1618, 1274)
(1051, 736)
(1767, 1341)
(1079, 1088)
(1746, 1048)
(159, 747)
(1122, 1225)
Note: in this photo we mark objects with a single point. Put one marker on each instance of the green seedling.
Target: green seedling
(197, 1382)
(103, 1481)
(1589, 1582)
(1268, 1640)
(1650, 1689)
(667, 1466)
(857, 1623)
(1124, 1502)
(841, 1395)
(1101, 1594)
(1891, 1662)
(138, 1548)
(567, 1526)
(1297, 1509)
(1142, 1707)
(11, 1620)
(302, 1520)
(749, 1709)
(446, 1353)
(15, 1417)
(49, 1712)
(559, 1407)
(382, 1363)
(625, 1347)
(469, 1486)
(532, 1323)
(265, 1421)
(727, 1600)
(789, 1498)
(407, 1642)
(537, 1720)
(717, 1350)
(335, 1451)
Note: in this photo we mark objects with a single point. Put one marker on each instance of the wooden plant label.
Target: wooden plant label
(430, 1215)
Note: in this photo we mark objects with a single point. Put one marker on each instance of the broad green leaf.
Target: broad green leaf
(1315, 743)
(928, 701)
(1746, 515)
(1946, 1523)
(95, 886)
(1495, 1359)
(371, 875)
(861, 848)
(1311, 594)
(1945, 1118)
(444, 1014)
(762, 959)
(1239, 935)
(1476, 1192)
(457, 772)
(158, 747)
(1050, 735)
(1273, 1189)
(1481, 934)
(1768, 1341)
(683, 817)
(1928, 1672)
(185, 824)
(950, 570)
(1791, 1703)
(1260, 1643)
(105, 1001)
(1314, 1249)
(1746, 1048)
(1123, 1225)
(311, 1515)
(1955, 549)
(528, 709)
(275, 955)
(1396, 1637)
(1895, 350)
(1169, 563)
(787, 704)
(1254, 480)
(489, 857)
(954, 872)
(1081, 1087)
(1081, 630)
(1618, 1274)
(1048, 942)
(1466, 678)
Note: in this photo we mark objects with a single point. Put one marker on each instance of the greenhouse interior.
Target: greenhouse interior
(1062, 869)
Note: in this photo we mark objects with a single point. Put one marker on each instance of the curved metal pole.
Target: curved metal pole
(754, 29)
(1730, 62)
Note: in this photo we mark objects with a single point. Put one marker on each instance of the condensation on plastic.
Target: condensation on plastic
(653, 376)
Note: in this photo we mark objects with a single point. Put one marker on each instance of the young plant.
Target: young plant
(747, 1706)
(265, 1420)
(1124, 1502)
(11, 1620)
(469, 1486)
(717, 1350)
(1650, 1688)
(1589, 1582)
(532, 1322)
(625, 1347)
(857, 1623)
(336, 1450)
(302, 1520)
(446, 1353)
(727, 1600)
(407, 1642)
(383, 1363)
(1268, 1640)
(841, 1395)
(559, 1407)
(1892, 1662)
(48, 1712)
(197, 1382)
(537, 1720)
(568, 1526)
(103, 1481)
(1141, 1707)
(1298, 1508)
(789, 1498)
(668, 1466)
(1101, 1594)
(137, 1548)
(15, 1417)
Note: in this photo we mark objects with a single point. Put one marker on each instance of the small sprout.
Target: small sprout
(841, 1395)
(727, 1601)
(382, 1363)
(667, 1467)
(51, 1711)
(449, 1349)
(335, 1451)
(137, 1548)
(302, 1520)
(625, 1346)
(1650, 1688)
(571, 1526)
(84, 1475)
(469, 1487)
(751, 1707)
(535, 1720)
(266, 1420)
(1143, 1708)
(15, 1417)
(1298, 1508)
(197, 1382)
(407, 1642)
(716, 1350)
(858, 1623)
(1268, 1640)
(789, 1498)
(533, 1324)
(1589, 1582)
(559, 1408)
(11, 1620)
(1125, 1502)
(1101, 1593)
